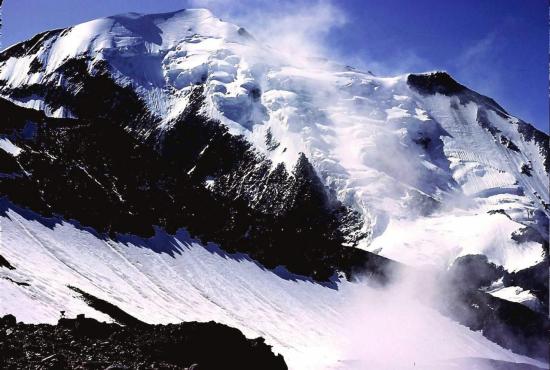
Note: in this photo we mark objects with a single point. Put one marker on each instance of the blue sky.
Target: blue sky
(497, 47)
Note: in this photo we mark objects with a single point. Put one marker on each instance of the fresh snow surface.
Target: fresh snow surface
(172, 278)
(515, 294)
(9, 147)
(361, 132)
(446, 237)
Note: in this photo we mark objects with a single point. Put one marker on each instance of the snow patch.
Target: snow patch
(9, 147)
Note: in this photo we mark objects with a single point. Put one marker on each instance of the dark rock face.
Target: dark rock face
(271, 143)
(484, 122)
(443, 83)
(433, 83)
(117, 314)
(508, 143)
(112, 170)
(474, 271)
(8, 321)
(534, 279)
(509, 324)
(540, 138)
(526, 169)
(30, 46)
(4, 263)
(529, 234)
(88, 344)
(88, 91)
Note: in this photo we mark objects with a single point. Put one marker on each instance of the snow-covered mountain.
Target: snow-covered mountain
(181, 120)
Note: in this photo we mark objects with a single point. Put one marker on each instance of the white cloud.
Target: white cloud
(293, 27)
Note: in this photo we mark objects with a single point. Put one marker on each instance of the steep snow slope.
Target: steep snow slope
(173, 278)
(416, 160)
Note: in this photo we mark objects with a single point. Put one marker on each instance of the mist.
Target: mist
(295, 28)
(397, 327)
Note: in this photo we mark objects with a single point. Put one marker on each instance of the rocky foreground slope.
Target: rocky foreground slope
(85, 343)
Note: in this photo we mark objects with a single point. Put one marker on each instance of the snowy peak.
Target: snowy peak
(152, 32)
(163, 30)
(398, 150)
(158, 55)
(127, 34)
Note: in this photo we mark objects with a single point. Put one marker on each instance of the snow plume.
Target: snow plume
(394, 327)
(297, 28)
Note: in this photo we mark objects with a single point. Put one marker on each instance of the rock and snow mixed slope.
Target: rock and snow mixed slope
(395, 149)
(172, 278)
(426, 169)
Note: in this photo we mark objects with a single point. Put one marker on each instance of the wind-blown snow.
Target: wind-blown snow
(172, 278)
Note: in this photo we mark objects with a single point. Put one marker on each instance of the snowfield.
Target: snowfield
(173, 278)
(442, 238)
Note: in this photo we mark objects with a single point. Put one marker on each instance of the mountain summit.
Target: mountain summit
(141, 126)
